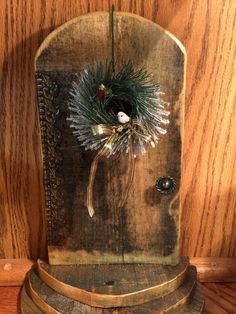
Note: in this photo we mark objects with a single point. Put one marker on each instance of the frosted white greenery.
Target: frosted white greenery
(131, 91)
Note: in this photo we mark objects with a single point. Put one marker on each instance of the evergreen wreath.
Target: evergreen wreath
(126, 106)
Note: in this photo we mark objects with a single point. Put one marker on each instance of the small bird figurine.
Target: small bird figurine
(122, 117)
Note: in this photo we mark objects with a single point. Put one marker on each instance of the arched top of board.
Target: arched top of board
(87, 38)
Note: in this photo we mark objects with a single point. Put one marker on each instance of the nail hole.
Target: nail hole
(110, 283)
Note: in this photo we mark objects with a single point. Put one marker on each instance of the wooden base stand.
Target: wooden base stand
(112, 289)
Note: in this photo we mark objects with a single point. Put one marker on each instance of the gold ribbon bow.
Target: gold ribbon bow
(113, 132)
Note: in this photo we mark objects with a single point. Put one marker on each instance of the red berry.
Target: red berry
(101, 94)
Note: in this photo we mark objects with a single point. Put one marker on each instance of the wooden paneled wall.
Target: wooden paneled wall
(207, 29)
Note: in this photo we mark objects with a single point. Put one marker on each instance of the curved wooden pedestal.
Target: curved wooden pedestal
(112, 289)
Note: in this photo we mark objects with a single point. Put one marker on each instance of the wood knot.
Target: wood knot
(7, 266)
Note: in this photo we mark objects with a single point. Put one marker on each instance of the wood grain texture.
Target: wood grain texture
(220, 298)
(215, 269)
(206, 28)
(216, 295)
(209, 181)
(9, 301)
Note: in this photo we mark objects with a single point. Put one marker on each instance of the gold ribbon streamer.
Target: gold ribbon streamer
(130, 175)
(113, 133)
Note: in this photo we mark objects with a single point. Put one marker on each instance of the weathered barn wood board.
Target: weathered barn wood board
(207, 30)
(146, 229)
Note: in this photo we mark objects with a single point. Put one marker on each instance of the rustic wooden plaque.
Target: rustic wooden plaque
(41, 298)
(146, 229)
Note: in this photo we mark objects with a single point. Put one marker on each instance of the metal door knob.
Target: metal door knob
(165, 185)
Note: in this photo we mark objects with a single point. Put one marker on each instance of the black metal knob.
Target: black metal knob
(165, 185)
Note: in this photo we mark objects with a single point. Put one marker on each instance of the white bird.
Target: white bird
(122, 117)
